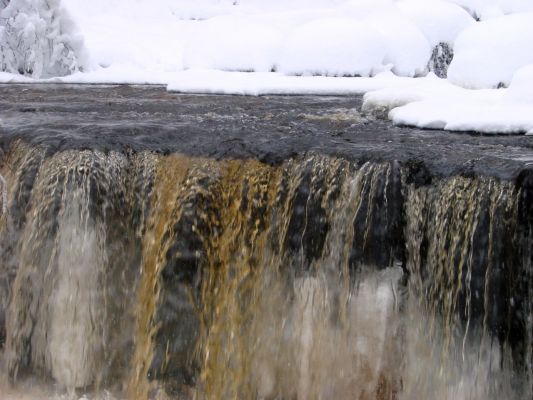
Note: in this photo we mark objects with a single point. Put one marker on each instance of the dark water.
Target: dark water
(268, 128)
(165, 246)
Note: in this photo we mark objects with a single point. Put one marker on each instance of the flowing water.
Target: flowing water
(136, 275)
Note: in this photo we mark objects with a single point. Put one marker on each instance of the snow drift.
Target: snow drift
(433, 103)
(314, 37)
(488, 53)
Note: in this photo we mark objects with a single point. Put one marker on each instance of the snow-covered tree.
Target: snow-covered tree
(37, 38)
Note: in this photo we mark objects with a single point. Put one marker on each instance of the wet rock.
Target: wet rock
(441, 58)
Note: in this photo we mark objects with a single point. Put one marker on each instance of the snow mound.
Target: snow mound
(466, 115)
(297, 37)
(521, 88)
(38, 39)
(488, 53)
(433, 103)
(484, 9)
(264, 83)
(381, 101)
(334, 47)
(439, 21)
(408, 50)
(490, 12)
(232, 43)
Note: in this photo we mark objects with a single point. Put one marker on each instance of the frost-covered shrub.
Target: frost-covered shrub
(37, 38)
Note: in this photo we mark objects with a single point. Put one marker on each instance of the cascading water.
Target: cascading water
(137, 275)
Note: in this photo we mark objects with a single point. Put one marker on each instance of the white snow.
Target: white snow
(487, 8)
(256, 84)
(256, 47)
(8, 77)
(232, 43)
(465, 115)
(489, 52)
(439, 21)
(38, 38)
(435, 103)
(521, 88)
(333, 46)
(408, 50)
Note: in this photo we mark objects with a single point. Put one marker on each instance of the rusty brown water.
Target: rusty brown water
(136, 275)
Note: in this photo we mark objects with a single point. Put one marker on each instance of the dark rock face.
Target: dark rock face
(440, 60)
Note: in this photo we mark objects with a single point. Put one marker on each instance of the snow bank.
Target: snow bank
(408, 49)
(232, 43)
(8, 77)
(326, 37)
(439, 21)
(466, 115)
(486, 9)
(521, 88)
(489, 53)
(335, 47)
(295, 37)
(256, 84)
(434, 103)
(418, 90)
(38, 38)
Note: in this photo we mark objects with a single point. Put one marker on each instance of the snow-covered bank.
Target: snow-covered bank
(437, 104)
(325, 37)
(154, 38)
(384, 48)
(488, 53)
(256, 84)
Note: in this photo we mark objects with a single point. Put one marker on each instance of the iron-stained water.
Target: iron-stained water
(137, 275)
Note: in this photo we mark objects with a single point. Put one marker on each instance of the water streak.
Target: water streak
(148, 276)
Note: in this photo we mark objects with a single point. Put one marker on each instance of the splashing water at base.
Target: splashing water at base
(324, 349)
(302, 349)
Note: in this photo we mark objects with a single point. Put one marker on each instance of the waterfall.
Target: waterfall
(143, 275)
